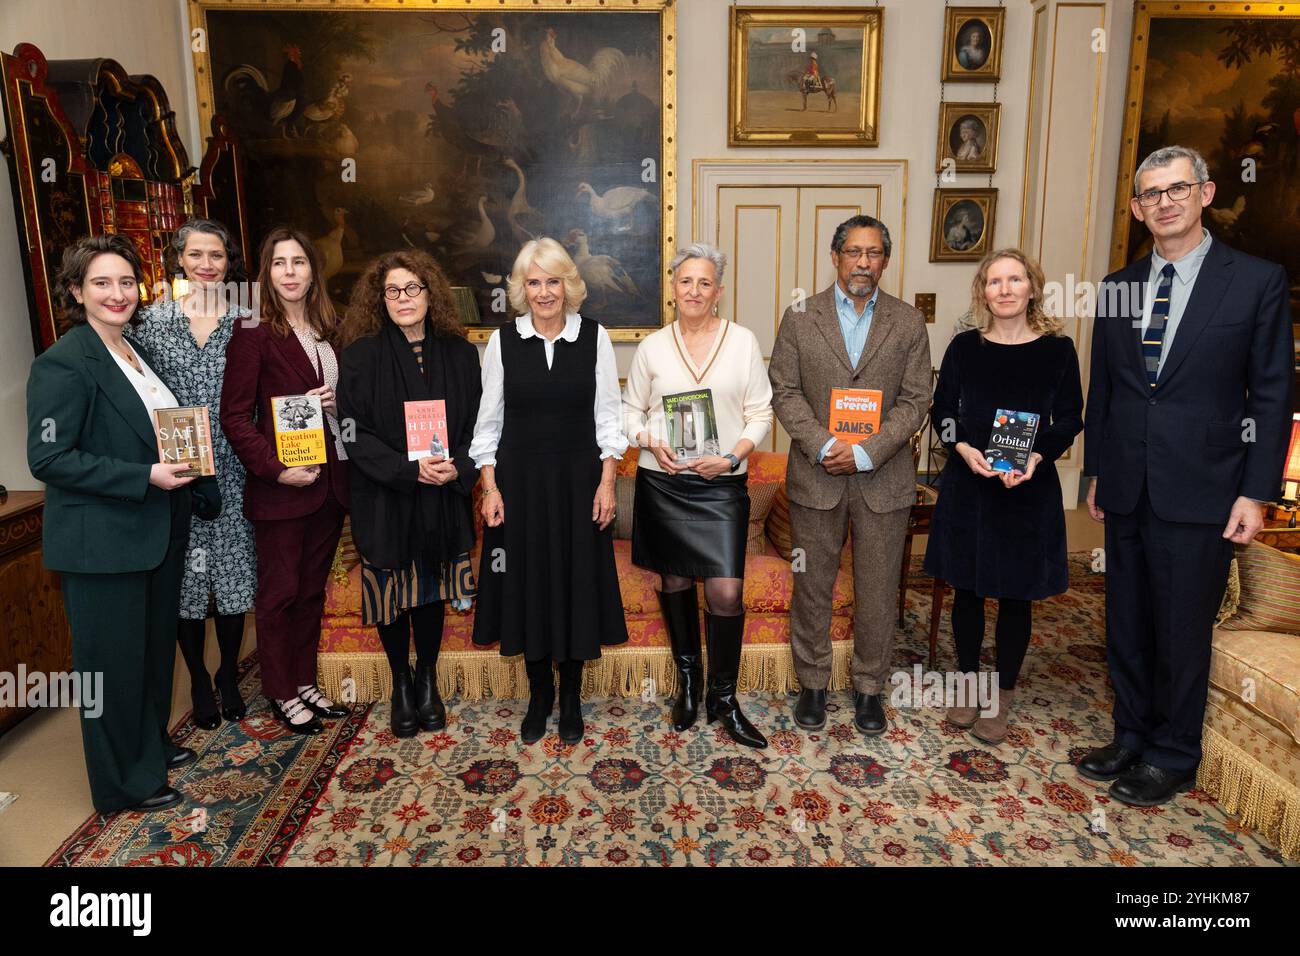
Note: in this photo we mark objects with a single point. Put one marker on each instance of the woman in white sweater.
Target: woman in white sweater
(698, 401)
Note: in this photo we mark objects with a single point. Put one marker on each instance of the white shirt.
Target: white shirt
(492, 407)
(152, 390)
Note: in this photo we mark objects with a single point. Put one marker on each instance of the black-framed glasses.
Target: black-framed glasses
(1177, 192)
(412, 289)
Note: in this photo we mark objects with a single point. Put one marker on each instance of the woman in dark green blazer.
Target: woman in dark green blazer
(116, 521)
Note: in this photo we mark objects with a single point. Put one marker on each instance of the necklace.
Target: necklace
(716, 352)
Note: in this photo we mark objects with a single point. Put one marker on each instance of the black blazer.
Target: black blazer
(1217, 423)
(90, 439)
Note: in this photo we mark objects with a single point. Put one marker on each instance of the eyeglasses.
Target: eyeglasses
(1177, 192)
(874, 255)
(412, 289)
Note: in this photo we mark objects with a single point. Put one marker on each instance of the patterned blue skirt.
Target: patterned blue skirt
(387, 592)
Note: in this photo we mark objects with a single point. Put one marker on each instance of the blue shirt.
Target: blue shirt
(854, 328)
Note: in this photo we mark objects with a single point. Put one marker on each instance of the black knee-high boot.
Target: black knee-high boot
(230, 635)
(681, 611)
(541, 700)
(571, 725)
(724, 635)
(189, 637)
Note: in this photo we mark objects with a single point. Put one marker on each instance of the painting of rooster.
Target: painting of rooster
(464, 134)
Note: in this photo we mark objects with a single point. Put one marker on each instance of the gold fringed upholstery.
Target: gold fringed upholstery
(1249, 791)
(620, 672)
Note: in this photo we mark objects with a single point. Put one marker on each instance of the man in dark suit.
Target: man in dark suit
(1189, 412)
(851, 335)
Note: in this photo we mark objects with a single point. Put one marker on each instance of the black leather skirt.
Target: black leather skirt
(689, 526)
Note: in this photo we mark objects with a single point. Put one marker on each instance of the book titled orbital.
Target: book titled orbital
(1011, 440)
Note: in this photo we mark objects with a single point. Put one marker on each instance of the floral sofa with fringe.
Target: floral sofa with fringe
(1251, 743)
(350, 651)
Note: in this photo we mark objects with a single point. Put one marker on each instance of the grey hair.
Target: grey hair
(1168, 154)
(860, 222)
(235, 270)
(701, 250)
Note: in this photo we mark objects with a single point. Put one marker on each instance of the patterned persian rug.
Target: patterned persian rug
(634, 793)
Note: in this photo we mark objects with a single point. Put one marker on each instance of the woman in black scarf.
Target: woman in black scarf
(412, 476)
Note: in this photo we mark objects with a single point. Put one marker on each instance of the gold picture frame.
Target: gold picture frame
(650, 122)
(972, 44)
(961, 228)
(804, 76)
(976, 153)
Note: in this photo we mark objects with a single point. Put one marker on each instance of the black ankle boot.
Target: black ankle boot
(432, 713)
(190, 636)
(541, 700)
(681, 613)
(724, 636)
(405, 721)
(571, 726)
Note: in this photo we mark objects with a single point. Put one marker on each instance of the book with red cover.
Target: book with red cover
(855, 413)
(426, 430)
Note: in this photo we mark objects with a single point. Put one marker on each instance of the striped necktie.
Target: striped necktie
(1154, 339)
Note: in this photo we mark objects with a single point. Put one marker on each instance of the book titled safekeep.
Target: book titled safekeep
(692, 424)
(426, 429)
(299, 430)
(1011, 440)
(855, 413)
(185, 438)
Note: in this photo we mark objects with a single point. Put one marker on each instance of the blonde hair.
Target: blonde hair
(1038, 320)
(549, 256)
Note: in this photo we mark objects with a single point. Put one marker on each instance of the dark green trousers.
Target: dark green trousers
(124, 626)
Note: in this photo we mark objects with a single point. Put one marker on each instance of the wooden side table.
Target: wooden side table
(1276, 534)
(33, 628)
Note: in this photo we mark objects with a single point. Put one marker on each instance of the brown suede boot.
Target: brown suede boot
(993, 730)
(962, 717)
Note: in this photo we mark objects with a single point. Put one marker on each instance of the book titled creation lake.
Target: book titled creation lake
(299, 430)
(855, 413)
(185, 438)
(1011, 440)
(692, 424)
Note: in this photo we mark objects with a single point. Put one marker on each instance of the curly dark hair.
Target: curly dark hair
(235, 268)
(76, 263)
(367, 312)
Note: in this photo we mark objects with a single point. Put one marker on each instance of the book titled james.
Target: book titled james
(855, 413)
(1011, 440)
(426, 429)
(692, 424)
(185, 438)
(299, 430)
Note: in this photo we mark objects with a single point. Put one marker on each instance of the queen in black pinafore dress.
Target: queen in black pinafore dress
(548, 585)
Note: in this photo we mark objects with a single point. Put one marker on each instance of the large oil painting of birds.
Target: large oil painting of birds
(1228, 86)
(463, 134)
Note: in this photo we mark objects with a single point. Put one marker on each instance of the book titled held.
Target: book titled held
(299, 430)
(185, 438)
(692, 424)
(426, 429)
(1011, 440)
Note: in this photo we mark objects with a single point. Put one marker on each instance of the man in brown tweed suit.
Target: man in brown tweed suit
(851, 335)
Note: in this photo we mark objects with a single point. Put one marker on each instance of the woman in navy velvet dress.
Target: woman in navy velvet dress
(1001, 534)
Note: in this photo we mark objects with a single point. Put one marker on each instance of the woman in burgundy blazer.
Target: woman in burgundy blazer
(297, 512)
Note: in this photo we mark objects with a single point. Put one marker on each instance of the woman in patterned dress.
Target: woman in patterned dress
(187, 338)
(411, 518)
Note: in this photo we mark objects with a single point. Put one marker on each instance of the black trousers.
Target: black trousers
(1164, 583)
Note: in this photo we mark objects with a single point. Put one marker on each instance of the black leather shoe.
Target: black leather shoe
(541, 700)
(681, 611)
(1148, 786)
(282, 714)
(404, 720)
(180, 758)
(1108, 762)
(428, 705)
(313, 696)
(571, 726)
(869, 714)
(725, 636)
(810, 711)
(164, 798)
(233, 707)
